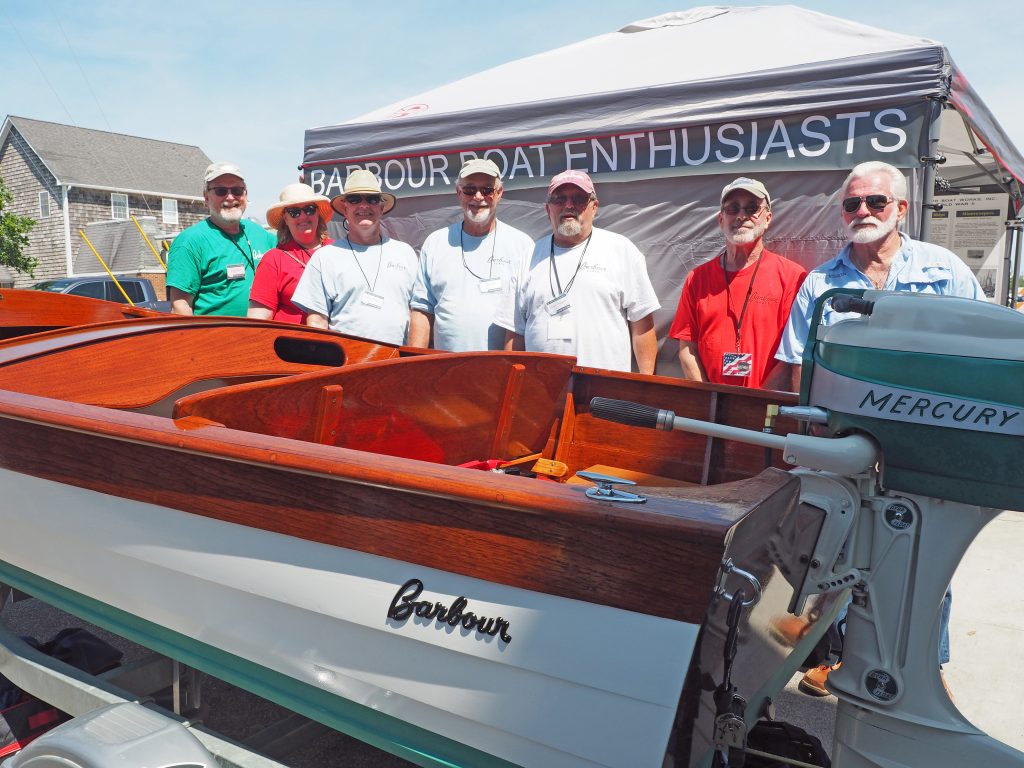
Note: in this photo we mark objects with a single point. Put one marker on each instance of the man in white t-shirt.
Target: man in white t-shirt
(361, 284)
(466, 269)
(584, 291)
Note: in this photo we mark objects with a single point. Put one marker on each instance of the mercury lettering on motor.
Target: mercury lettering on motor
(937, 410)
(405, 605)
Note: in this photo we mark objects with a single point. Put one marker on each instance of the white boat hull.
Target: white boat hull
(576, 683)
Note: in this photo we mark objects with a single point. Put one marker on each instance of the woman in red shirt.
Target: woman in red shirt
(300, 218)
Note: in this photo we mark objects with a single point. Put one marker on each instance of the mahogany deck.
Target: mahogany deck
(148, 363)
(23, 311)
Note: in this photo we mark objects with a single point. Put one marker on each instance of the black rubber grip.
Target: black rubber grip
(625, 412)
(861, 306)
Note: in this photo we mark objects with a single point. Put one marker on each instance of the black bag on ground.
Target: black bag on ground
(784, 740)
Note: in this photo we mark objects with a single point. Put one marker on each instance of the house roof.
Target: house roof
(89, 158)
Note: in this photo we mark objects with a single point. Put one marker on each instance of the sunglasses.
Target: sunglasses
(470, 191)
(733, 209)
(579, 199)
(223, 191)
(357, 199)
(309, 210)
(874, 202)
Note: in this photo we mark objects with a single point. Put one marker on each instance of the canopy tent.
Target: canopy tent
(662, 121)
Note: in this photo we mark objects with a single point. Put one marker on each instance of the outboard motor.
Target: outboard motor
(936, 381)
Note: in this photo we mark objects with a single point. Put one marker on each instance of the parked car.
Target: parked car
(139, 290)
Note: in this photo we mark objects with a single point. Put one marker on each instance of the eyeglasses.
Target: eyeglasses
(470, 191)
(223, 191)
(874, 202)
(750, 209)
(579, 200)
(309, 210)
(357, 199)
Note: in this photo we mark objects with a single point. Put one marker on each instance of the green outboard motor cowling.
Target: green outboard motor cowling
(937, 381)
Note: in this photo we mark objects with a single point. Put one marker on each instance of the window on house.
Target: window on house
(170, 212)
(44, 205)
(118, 205)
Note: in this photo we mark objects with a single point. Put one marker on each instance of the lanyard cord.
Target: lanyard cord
(380, 258)
(490, 263)
(553, 268)
(728, 298)
(250, 260)
(296, 259)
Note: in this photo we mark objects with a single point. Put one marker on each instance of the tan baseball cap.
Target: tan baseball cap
(216, 170)
(479, 165)
(753, 186)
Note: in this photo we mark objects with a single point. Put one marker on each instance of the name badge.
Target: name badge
(558, 305)
(374, 300)
(235, 271)
(491, 285)
(737, 363)
(560, 327)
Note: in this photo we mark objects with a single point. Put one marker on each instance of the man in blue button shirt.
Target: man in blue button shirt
(878, 256)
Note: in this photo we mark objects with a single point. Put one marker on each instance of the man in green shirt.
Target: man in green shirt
(211, 264)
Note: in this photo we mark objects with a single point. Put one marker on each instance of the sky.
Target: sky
(244, 81)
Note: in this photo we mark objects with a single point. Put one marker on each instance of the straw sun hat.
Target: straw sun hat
(362, 182)
(296, 196)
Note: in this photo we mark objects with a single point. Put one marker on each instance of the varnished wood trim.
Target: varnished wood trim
(328, 414)
(507, 409)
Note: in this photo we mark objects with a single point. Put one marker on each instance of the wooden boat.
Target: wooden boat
(339, 542)
(303, 533)
(23, 311)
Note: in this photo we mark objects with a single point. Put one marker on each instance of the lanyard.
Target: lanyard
(299, 261)
(553, 268)
(380, 258)
(490, 262)
(247, 256)
(728, 298)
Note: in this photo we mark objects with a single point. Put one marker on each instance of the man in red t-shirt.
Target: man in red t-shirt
(734, 307)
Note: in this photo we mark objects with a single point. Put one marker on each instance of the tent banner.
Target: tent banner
(835, 141)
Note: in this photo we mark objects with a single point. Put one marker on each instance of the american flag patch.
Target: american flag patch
(737, 363)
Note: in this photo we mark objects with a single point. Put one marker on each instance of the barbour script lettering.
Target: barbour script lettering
(405, 604)
(937, 411)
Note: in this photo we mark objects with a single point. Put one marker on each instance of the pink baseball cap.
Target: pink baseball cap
(576, 178)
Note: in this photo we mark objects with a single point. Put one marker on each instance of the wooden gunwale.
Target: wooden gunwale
(27, 311)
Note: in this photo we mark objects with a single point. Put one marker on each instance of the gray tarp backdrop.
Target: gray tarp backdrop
(662, 121)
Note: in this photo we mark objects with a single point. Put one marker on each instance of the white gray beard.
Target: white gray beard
(480, 216)
(746, 236)
(569, 227)
(878, 231)
(228, 217)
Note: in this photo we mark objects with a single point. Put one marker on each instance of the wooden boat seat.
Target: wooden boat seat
(640, 478)
(446, 409)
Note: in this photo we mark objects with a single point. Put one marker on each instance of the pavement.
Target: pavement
(986, 671)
